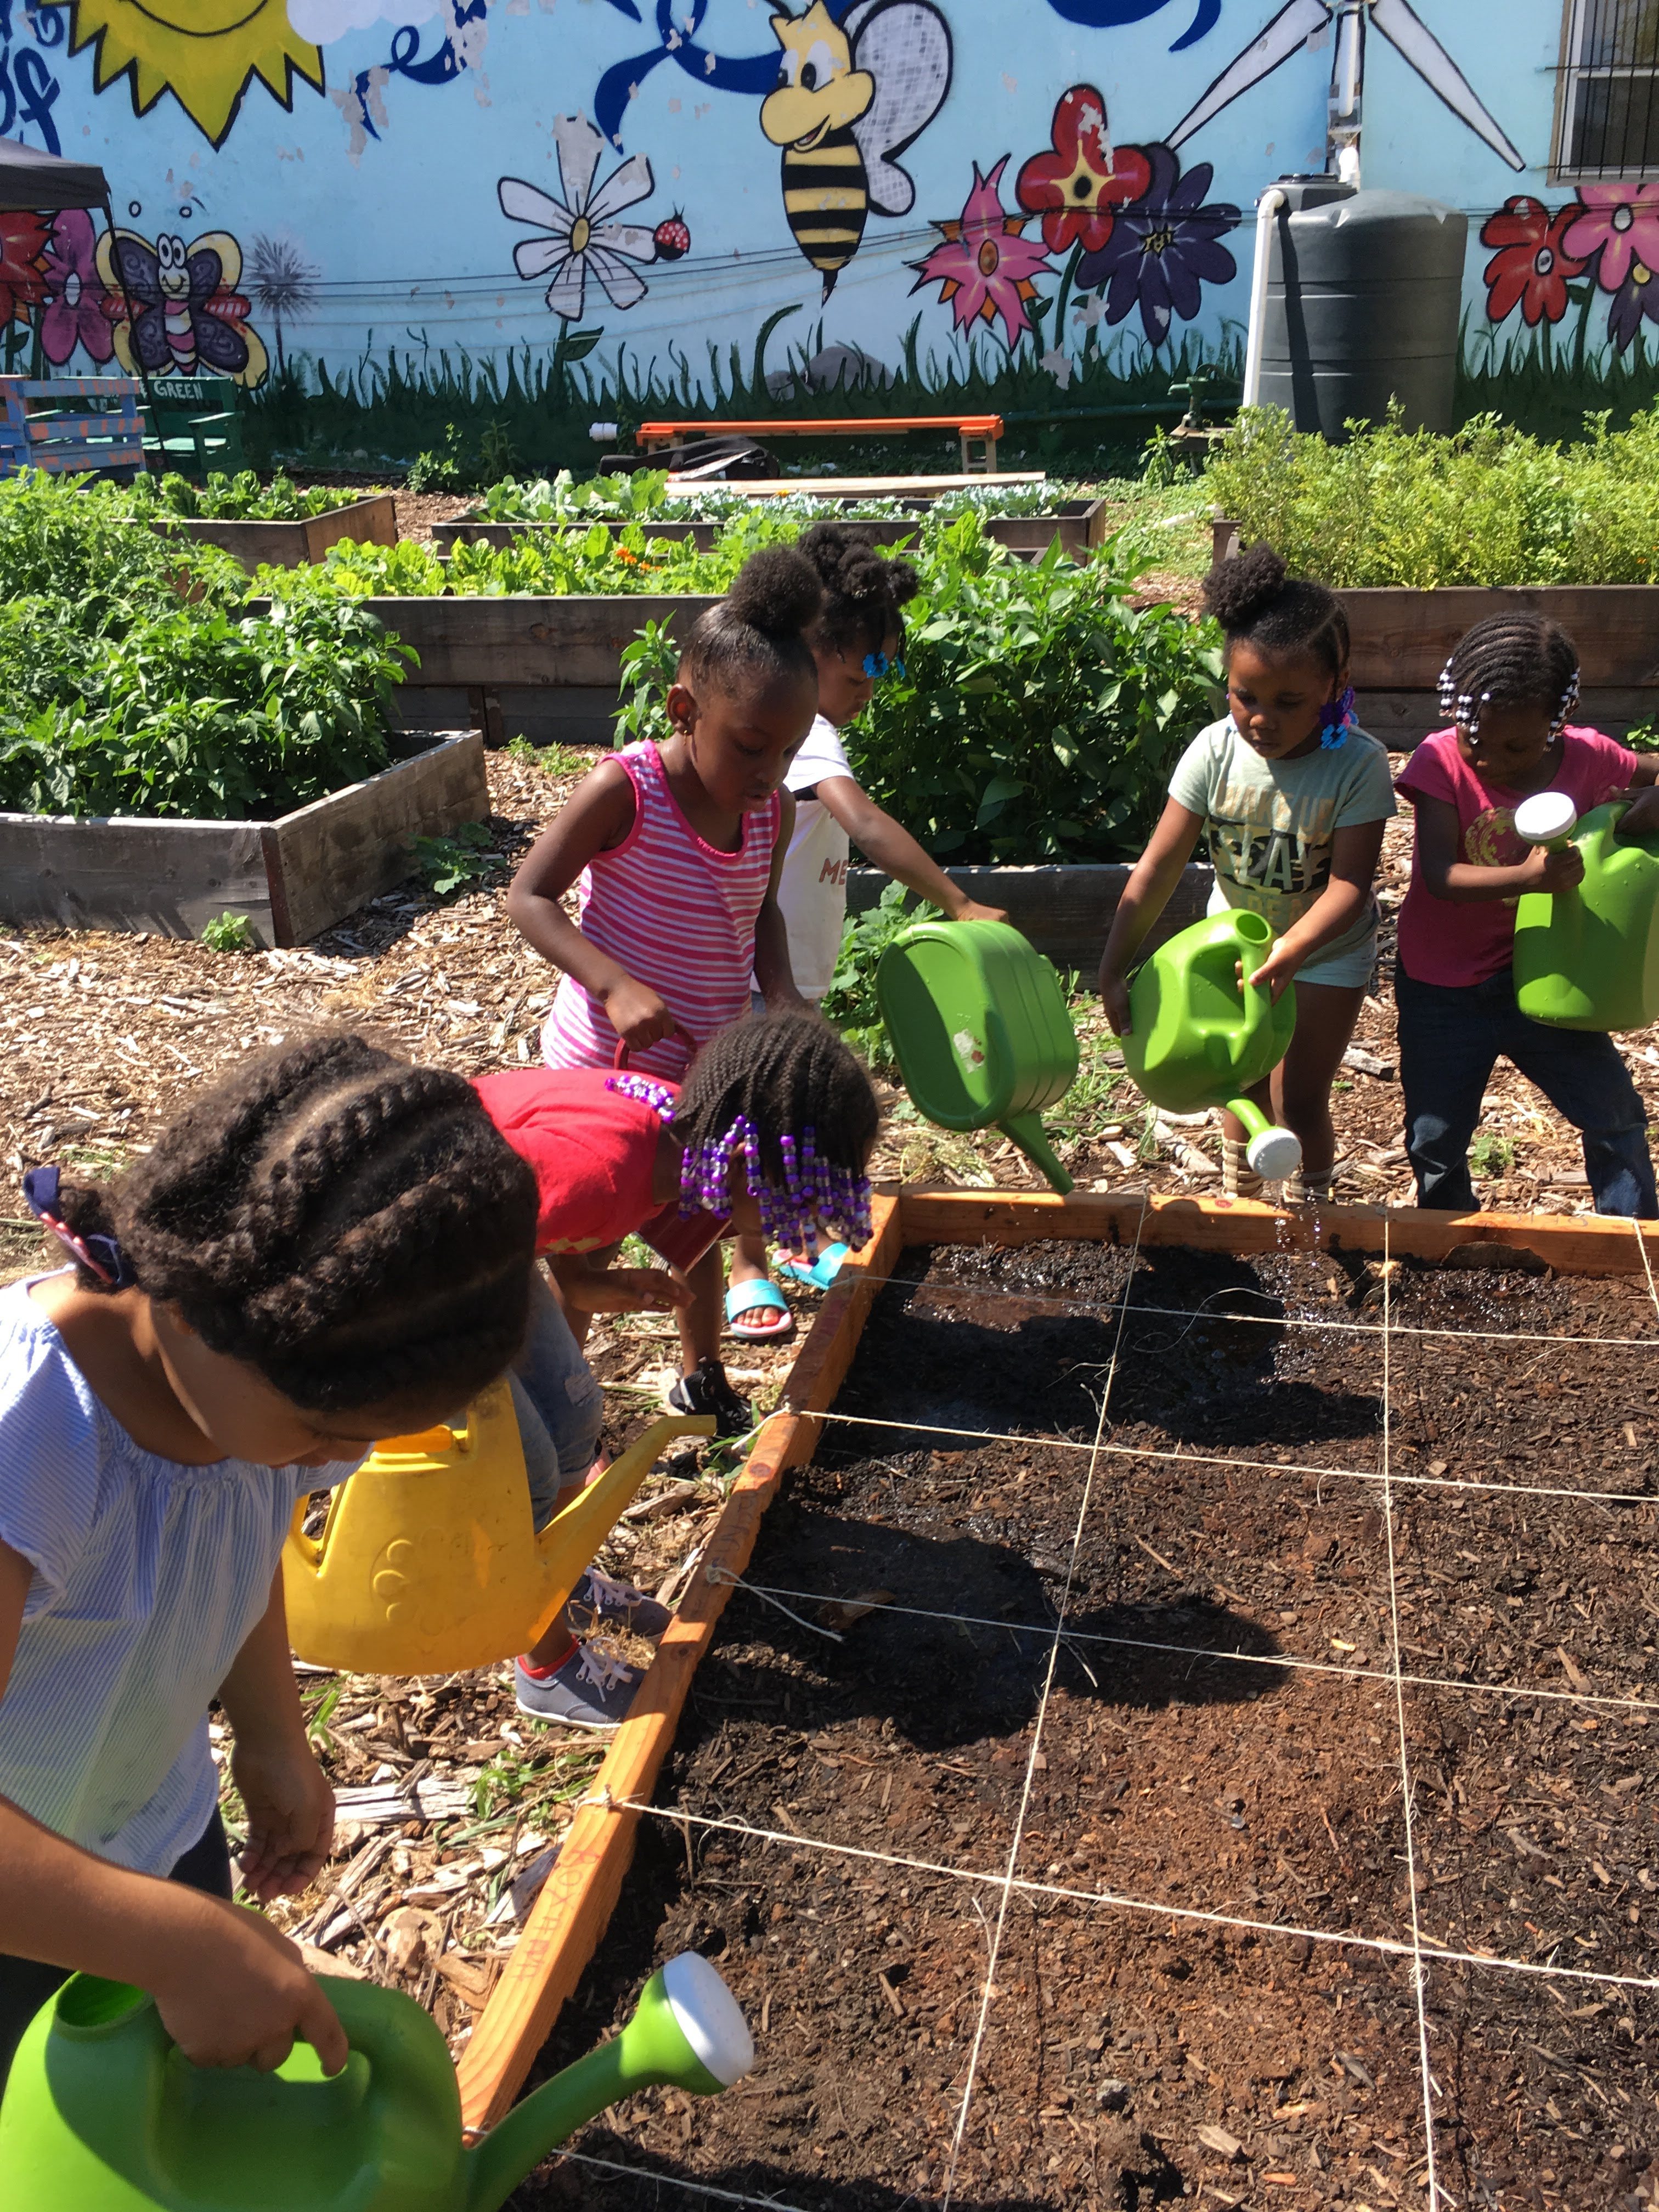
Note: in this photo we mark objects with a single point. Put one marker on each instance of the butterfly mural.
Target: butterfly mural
(188, 317)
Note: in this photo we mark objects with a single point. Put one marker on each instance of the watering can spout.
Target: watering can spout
(572, 1537)
(1028, 1132)
(687, 2030)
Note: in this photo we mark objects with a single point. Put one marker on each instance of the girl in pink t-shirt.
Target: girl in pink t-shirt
(1510, 685)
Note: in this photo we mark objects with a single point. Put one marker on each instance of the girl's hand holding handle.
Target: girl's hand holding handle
(637, 1014)
(971, 910)
(1276, 973)
(1544, 869)
(235, 1992)
(1114, 997)
(1641, 818)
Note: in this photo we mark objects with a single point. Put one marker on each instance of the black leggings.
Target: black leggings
(26, 1984)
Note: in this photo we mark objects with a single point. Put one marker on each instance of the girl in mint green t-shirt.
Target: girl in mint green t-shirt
(1290, 796)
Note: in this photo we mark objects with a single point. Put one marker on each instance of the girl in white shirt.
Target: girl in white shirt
(858, 640)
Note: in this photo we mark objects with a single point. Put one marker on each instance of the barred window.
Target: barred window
(1607, 116)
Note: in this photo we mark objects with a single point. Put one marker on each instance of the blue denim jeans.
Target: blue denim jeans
(1450, 1039)
(559, 1403)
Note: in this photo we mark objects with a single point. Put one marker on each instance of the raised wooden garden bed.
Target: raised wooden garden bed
(292, 878)
(1066, 910)
(1079, 525)
(1402, 639)
(371, 521)
(1143, 1911)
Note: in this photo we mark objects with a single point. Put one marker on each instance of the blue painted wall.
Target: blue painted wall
(340, 176)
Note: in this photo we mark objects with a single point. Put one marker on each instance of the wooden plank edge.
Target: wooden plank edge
(570, 1917)
(1579, 1244)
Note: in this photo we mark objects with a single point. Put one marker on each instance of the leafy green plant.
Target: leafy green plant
(455, 863)
(1491, 1155)
(229, 933)
(642, 498)
(1040, 713)
(224, 498)
(850, 1002)
(649, 667)
(552, 760)
(1488, 505)
(442, 470)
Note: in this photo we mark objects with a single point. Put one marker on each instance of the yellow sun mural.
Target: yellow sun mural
(204, 52)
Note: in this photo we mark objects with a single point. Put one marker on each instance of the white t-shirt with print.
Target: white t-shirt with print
(812, 886)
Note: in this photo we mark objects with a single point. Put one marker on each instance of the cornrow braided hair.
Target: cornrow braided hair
(863, 591)
(352, 1227)
(785, 1091)
(1254, 597)
(1518, 659)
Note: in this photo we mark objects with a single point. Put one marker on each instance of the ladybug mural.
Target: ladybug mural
(673, 239)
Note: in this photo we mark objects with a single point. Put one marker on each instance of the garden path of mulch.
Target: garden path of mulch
(1136, 2056)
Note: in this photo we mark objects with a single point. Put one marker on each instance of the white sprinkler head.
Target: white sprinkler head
(1545, 816)
(1274, 1154)
(709, 2017)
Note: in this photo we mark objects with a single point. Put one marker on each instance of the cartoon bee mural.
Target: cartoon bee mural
(851, 96)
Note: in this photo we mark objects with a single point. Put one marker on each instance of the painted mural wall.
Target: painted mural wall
(947, 191)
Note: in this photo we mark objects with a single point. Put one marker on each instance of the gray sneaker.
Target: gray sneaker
(612, 1604)
(587, 1690)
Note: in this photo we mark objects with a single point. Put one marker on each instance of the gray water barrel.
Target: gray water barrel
(1364, 295)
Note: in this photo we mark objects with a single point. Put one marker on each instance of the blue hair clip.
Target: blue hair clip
(877, 665)
(1335, 720)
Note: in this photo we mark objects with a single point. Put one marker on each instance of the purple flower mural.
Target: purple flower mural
(75, 313)
(1164, 247)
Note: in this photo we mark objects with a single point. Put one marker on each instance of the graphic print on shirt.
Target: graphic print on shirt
(1490, 841)
(1276, 855)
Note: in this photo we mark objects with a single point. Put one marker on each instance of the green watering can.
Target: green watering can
(1588, 959)
(1197, 1039)
(980, 1029)
(103, 2113)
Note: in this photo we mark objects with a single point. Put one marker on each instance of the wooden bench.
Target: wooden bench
(972, 430)
(72, 425)
(195, 425)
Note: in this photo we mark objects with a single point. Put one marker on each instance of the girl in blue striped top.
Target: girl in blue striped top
(334, 1247)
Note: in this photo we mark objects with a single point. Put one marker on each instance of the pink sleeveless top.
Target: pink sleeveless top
(679, 915)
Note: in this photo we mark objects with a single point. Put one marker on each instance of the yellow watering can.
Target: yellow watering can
(428, 1563)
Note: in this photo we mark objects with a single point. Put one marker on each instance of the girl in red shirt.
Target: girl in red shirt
(770, 1132)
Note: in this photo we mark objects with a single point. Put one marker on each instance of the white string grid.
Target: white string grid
(1418, 1952)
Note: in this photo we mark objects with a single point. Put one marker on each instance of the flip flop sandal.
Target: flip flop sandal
(822, 1271)
(750, 1298)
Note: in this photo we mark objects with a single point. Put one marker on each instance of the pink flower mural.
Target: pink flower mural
(984, 267)
(75, 314)
(1621, 223)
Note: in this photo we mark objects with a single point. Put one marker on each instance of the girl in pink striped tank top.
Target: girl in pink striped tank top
(676, 849)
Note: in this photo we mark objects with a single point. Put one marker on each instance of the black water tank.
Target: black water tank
(1364, 295)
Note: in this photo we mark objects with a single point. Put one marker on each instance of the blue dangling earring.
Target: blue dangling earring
(1335, 720)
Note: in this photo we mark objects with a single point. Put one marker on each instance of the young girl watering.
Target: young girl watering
(857, 640)
(333, 1247)
(1510, 688)
(1290, 796)
(678, 850)
(771, 1132)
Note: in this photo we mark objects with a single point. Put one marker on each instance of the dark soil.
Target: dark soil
(1134, 2052)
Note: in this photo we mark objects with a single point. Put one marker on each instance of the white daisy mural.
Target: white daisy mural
(581, 234)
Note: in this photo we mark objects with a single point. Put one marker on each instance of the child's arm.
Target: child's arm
(1641, 818)
(597, 817)
(584, 1289)
(231, 1991)
(1355, 851)
(1145, 895)
(1445, 877)
(290, 1806)
(772, 969)
(896, 851)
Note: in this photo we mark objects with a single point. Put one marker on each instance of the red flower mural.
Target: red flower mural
(1076, 188)
(1529, 270)
(22, 242)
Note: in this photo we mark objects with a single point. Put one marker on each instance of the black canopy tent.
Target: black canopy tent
(32, 180)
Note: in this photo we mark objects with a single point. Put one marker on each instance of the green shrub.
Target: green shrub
(229, 933)
(1488, 505)
(850, 1002)
(455, 863)
(240, 498)
(1039, 714)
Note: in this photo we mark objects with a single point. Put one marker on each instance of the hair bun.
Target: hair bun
(1239, 591)
(776, 591)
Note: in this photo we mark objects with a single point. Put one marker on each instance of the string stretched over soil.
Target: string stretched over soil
(1188, 1765)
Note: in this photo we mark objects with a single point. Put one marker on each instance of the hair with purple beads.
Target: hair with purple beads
(784, 1094)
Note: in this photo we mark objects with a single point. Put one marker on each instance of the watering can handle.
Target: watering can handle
(620, 1057)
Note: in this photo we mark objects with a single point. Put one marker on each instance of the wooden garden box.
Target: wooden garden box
(292, 878)
(372, 521)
